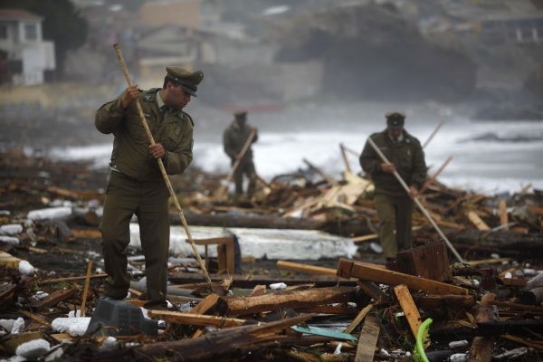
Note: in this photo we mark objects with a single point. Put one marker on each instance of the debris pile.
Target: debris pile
(486, 307)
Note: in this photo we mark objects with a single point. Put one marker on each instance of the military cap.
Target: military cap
(188, 80)
(395, 119)
(240, 114)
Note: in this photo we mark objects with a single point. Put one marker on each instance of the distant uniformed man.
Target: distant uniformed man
(136, 185)
(234, 138)
(393, 204)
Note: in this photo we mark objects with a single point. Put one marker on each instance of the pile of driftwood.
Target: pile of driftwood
(486, 307)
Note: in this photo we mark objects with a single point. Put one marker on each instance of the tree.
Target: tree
(62, 24)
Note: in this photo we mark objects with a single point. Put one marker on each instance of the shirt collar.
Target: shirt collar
(399, 139)
(159, 101)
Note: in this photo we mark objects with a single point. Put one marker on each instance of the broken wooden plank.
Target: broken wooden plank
(409, 308)
(364, 238)
(35, 317)
(228, 341)
(206, 304)
(295, 299)
(359, 318)
(86, 233)
(304, 268)
(196, 319)
(482, 346)
(72, 279)
(54, 298)
(251, 280)
(504, 219)
(476, 220)
(368, 340)
(365, 271)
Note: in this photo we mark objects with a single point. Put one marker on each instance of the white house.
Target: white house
(28, 55)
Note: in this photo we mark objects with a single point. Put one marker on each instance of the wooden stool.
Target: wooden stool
(225, 253)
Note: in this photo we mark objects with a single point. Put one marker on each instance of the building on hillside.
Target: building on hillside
(25, 55)
(164, 46)
(192, 14)
(496, 22)
(192, 34)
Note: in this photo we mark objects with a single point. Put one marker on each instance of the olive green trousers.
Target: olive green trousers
(126, 197)
(395, 221)
(246, 168)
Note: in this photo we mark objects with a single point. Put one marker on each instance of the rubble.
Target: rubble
(349, 308)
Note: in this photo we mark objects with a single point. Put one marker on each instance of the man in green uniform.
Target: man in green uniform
(234, 138)
(136, 185)
(393, 203)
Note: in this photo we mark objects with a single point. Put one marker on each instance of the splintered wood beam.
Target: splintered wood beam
(375, 273)
(86, 233)
(196, 319)
(70, 279)
(504, 219)
(304, 268)
(368, 340)
(54, 298)
(229, 341)
(358, 318)
(295, 299)
(482, 346)
(476, 220)
(364, 238)
(35, 317)
(409, 308)
(206, 304)
(86, 288)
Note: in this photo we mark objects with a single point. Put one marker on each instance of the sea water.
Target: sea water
(486, 156)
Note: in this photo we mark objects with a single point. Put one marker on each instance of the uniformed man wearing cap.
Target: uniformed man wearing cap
(393, 204)
(136, 185)
(234, 138)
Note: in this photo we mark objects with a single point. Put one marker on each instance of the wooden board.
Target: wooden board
(371, 272)
(427, 261)
(409, 308)
(368, 340)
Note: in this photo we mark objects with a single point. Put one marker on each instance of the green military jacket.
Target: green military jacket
(234, 138)
(172, 128)
(407, 155)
